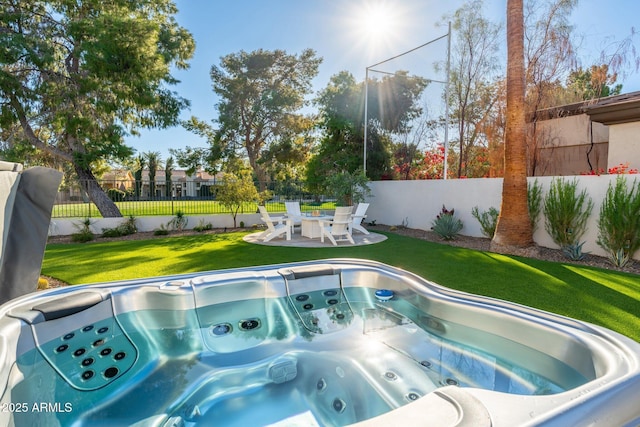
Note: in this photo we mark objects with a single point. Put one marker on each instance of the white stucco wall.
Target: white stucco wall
(65, 226)
(414, 203)
(624, 145)
(418, 202)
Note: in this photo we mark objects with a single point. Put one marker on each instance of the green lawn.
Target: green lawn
(170, 207)
(603, 297)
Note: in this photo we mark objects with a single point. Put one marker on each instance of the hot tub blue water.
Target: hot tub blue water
(304, 344)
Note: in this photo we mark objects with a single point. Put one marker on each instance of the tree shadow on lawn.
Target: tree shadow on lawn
(195, 241)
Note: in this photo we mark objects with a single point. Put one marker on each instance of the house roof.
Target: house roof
(178, 175)
(117, 175)
(610, 110)
(616, 109)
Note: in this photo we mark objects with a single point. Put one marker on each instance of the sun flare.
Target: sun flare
(376, 28)
(378, 21)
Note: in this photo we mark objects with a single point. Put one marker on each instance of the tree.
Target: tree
(392, 110)
(260, 95)
(426, 165)
(341, 119)
(77, 76)
(194, 158)
(393, 105)
(154, 162)
(236, 190)
(549, 56)
(393, 100)
(513, 230)
(492, 129)
(472, 94)
(549, 51)
(406, 154)
(349, 188)
(138, 167)
(406, 157)
(168, 172)
(593, 83)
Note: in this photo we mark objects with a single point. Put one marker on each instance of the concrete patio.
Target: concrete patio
(299, 241)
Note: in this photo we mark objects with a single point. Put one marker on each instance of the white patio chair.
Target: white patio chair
(293, 212)
(358, 216)
(339, 228)
(276, 226)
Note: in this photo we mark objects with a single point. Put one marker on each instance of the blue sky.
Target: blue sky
(339, 32)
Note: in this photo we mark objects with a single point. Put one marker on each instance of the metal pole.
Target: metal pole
(366, 92)
(446, 104)
(366, 118)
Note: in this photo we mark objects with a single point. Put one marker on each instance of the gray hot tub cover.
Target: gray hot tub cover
(26, 200)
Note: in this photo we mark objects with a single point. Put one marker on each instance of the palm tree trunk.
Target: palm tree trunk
(513, 231)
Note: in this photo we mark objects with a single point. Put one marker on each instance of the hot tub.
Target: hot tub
(328, 343)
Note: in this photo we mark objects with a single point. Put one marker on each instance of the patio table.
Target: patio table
(311, 225)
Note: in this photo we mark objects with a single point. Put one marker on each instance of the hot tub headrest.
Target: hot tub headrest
(66, 306)
(306, 271)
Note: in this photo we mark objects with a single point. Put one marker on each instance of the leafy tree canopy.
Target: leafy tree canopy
(472, 89)
(392, 107)
(77, 76)
(236, 190)
(261, 94)
(595, 82)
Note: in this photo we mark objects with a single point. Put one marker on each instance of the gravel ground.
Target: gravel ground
(477, 243)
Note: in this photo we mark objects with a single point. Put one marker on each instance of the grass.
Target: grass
(170, 207)
(607, 298)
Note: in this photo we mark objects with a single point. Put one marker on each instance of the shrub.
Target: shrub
(178, 222)
(446, 225)
(124, 229)
(202, 226)
(111, 232)
(619, 222)
(566, 213)
(84, 233)
(129, 226)
(162, 231)
(487, 220)
(574, 251)
(534, 200)
(349, 188)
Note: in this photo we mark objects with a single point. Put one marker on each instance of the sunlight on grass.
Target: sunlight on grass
(542, 277)
(626, 284)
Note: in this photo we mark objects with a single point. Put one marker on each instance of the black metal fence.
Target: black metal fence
(198, 197)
